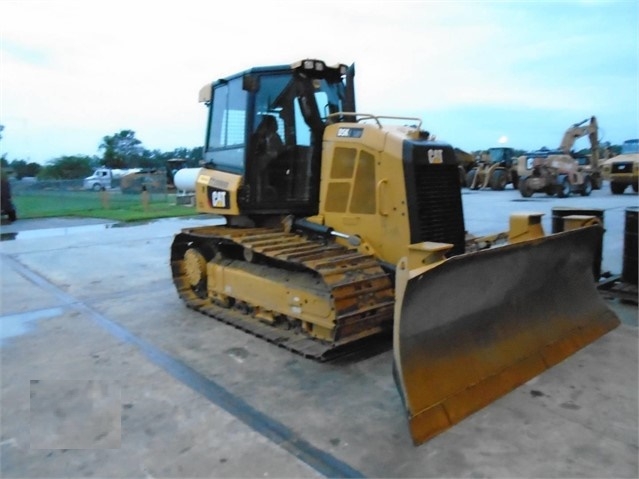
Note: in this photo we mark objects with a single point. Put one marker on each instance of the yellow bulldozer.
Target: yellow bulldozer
(342, 226)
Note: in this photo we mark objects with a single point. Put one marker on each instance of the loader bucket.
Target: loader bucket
(479, 325)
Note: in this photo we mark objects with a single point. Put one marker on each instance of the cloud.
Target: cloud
(74, 71)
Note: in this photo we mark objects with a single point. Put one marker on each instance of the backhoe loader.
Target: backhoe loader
(343, 226)
(559, 172)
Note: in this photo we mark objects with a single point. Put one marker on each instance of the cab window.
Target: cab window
(227, 135)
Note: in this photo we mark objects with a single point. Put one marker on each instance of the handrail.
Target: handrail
(370, 116)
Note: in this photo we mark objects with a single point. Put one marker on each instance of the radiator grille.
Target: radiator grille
(439, 213)
(625, 167)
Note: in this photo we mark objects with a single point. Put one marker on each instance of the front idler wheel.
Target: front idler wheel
(195, 269)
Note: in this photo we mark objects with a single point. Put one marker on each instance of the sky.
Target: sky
(478, 73)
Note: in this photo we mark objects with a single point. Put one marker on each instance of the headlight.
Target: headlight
(313, 65)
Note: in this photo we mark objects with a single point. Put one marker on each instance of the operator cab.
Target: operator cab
(630, 147)
(502, 156)
(266, 124)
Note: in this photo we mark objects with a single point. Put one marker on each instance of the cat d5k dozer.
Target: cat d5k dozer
(343, 226)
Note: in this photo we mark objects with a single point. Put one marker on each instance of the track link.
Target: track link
(361, 291)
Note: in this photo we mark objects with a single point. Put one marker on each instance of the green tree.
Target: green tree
(159, 158)
(33, 168)
(121, 150)
(21, 168)
(153, 159)
(67, 167)
(192, 155)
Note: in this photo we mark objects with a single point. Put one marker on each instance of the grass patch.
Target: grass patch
(107, 205)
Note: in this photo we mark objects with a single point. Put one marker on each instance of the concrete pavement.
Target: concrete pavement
(106, 374)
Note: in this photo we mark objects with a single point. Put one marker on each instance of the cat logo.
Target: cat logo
(435, 156)
(219, 198)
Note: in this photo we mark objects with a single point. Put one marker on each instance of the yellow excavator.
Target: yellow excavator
(343, 226)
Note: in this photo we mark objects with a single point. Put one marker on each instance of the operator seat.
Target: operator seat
(267, 146)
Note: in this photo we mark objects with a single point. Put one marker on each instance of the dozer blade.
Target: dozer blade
(478, 325)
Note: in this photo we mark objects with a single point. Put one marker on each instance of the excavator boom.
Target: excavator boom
(577, 131)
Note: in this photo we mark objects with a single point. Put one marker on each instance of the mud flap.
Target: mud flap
(478, 325)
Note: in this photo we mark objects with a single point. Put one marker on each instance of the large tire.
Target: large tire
(597, 182)
(470, 177)
(515, 180)
(525, 190)
(617, 188)
(462, 177)
(586, 188)
(564, 188)
(498, 180)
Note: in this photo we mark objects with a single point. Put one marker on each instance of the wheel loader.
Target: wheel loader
(496, 168)
(340, 227)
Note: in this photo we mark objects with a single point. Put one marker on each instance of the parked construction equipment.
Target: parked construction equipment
(465, 162)
(344, 226)
(496, 169)
(623, 170)
(557, 172)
